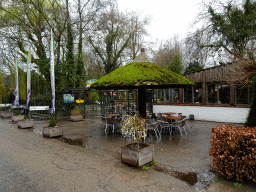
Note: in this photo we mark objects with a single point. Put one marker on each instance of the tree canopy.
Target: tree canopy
(235, 27)
(193, 67)
(176, 64)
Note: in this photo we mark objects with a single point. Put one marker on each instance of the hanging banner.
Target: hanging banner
(28, 78)
(16, 92)
(52, 110)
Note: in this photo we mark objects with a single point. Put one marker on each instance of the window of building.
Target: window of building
(224, 94)
(175, 95)
(198, 93)
(242, 96)
(187, 94)
(212, 93)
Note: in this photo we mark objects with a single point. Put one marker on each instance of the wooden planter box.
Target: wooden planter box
(53, 131)
(137, 157)
(76, 117)
(16, 118)
(26, 123)
(6, 115)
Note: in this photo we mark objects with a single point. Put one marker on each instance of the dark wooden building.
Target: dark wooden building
(214, 86)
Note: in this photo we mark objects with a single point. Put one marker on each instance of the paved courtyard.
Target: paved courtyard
(184, 163)
(186, 159)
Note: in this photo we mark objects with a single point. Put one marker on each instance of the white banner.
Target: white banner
(38, 108)
(5, 105)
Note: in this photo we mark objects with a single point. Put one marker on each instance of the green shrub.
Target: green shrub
(17, 112)
(94, 96)
(251, 120)
(52, 122)
(26, 117)
(76, 111)
(149, 165)
(161, 99)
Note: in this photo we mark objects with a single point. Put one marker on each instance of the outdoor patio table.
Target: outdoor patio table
(145, 119)
(113, 115)
(170, 119)
(168, 113)
(173, 118)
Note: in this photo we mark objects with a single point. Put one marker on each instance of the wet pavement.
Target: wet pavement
(184, 163)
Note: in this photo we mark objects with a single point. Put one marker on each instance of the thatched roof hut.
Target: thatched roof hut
(142, 74)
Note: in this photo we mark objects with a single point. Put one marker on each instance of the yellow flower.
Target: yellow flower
(79, 101)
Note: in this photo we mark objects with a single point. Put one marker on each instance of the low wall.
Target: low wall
(205, 113)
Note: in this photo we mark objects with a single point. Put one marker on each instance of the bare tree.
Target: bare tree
(193, 50)
(110, 37)
(166, 51)
(137, 24)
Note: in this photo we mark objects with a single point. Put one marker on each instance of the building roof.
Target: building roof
(138, 74)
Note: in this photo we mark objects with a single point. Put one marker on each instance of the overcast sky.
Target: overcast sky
(168, 17)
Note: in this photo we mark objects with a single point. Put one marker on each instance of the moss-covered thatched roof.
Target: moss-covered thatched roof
(141, 74)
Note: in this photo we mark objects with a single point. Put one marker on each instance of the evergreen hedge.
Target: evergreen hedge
(251, 119)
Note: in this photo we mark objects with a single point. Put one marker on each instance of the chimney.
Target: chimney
(142, 50)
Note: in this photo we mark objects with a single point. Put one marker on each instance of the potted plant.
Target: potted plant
(26, 122)
(136, 153)
(52, 130)
(76, 114)
(17, 116)
(6, 114)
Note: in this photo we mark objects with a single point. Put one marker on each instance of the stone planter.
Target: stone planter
(53, 131)
(16, 118)
(137, 157)
(6, 115)
(26, 123)
(76, 117)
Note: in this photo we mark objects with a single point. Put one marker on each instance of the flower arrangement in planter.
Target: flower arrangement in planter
(76, 114)
(52, 130)
(136, 153)
(17, 116)
(26, 122)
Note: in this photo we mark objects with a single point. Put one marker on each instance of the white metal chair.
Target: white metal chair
(163, 124)
(154, 126)
(110, 122)
(179, 124)
(103, 118)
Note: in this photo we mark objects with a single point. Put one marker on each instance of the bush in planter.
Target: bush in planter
(25, 122)
(52, 130)
(17, 112)
(137, 153)
(76, 111)
(17, 116)
(52, 122)
(26, 117)
(136, 127)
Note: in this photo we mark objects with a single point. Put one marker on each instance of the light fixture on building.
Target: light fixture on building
(197, 90)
